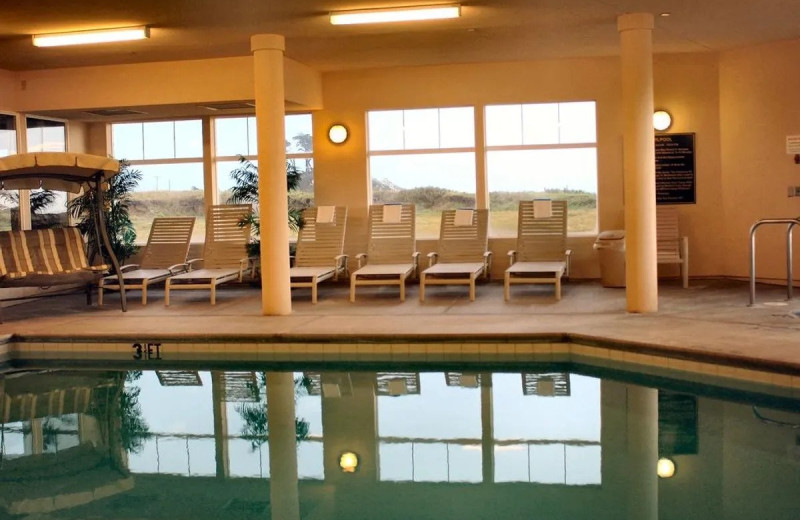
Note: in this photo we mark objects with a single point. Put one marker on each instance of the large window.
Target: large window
(236, 137)
(425, 157)
(546, 150)
(9, 200)
(48, 207)
(170, 156)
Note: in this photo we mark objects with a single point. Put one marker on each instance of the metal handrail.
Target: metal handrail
(791, 223)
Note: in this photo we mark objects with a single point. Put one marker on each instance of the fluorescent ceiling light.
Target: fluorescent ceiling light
(98, 36)
(399, 14)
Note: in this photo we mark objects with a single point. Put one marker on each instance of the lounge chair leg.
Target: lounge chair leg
(213, 294)
(558, 288)
(313, 289)
(166, 294)
(506, 287)
(100, 294)
(422, 287)
(472, 287)
(352, 289)
(402, 289)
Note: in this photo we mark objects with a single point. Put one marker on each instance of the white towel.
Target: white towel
(326, 214)
(463, 217)
(392, 213)
(542, 208)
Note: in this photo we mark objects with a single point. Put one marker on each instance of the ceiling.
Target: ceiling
(489, 30)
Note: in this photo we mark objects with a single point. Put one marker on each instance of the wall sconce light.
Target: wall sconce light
(98, 36)
(348, 462)
(662, 120)
(665, 467)
(337, 133)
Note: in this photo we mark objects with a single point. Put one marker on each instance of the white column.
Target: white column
(272, 194)
(636, 39)
(284, 495)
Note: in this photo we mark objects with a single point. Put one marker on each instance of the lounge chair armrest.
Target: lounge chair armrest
(178, 268)
(98, 268)
(340, 264)
(415, 260)
(128, 267)
(244, 266)
(360, 258)
(567, 259)
(487, 263)
(512, 256)
(190, 263)
(433, 257)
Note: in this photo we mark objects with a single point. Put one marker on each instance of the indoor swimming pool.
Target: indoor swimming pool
(380, 440)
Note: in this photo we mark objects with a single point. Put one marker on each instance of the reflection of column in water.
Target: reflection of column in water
(487, 428)
(642, 434)
(282, 446)
(220, 425)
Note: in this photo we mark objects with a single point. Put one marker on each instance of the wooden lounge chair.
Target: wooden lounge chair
(163, 256)
(391, 253)
(224, 253)
(672, 248)
(541, 255)
(462, 255)
(319, 248)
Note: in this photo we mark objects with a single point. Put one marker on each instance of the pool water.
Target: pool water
(535, 443)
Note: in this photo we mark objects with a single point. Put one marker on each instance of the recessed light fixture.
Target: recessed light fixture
(348, 462)
(98, 36)
(664, 15)
(397, 14)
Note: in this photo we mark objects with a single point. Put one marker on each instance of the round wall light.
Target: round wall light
(665, 467)
(662, 120)
(337, 133)
(348, 462)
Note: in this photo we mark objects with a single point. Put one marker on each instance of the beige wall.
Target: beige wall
(162, 83)
(759, 107)
(341, 175)
(7, 90)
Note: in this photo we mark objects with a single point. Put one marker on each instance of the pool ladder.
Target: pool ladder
(790, 224)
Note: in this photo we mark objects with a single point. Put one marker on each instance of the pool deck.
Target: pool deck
(709, 320)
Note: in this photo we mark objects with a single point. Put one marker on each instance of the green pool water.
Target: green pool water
(529, 443)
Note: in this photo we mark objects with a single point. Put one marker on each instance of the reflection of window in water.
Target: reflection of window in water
(180, 418)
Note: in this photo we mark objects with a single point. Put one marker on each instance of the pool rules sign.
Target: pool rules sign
(675, 169)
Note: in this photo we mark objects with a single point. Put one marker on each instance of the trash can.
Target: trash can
(610, 246)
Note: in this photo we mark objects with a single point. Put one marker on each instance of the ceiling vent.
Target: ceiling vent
(236, 105)
(114, 112)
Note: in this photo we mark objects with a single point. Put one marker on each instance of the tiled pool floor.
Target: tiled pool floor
(711, 318)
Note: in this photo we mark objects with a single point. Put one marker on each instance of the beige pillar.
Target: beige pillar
(635, 31)
(283, 493)
(272, 194)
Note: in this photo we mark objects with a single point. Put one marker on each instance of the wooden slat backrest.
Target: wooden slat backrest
(226, 238)
(168, 242)
(542, 239)
(667, 232)
(42, 251)
(463, 243)
(318, 244)
(391, 243)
